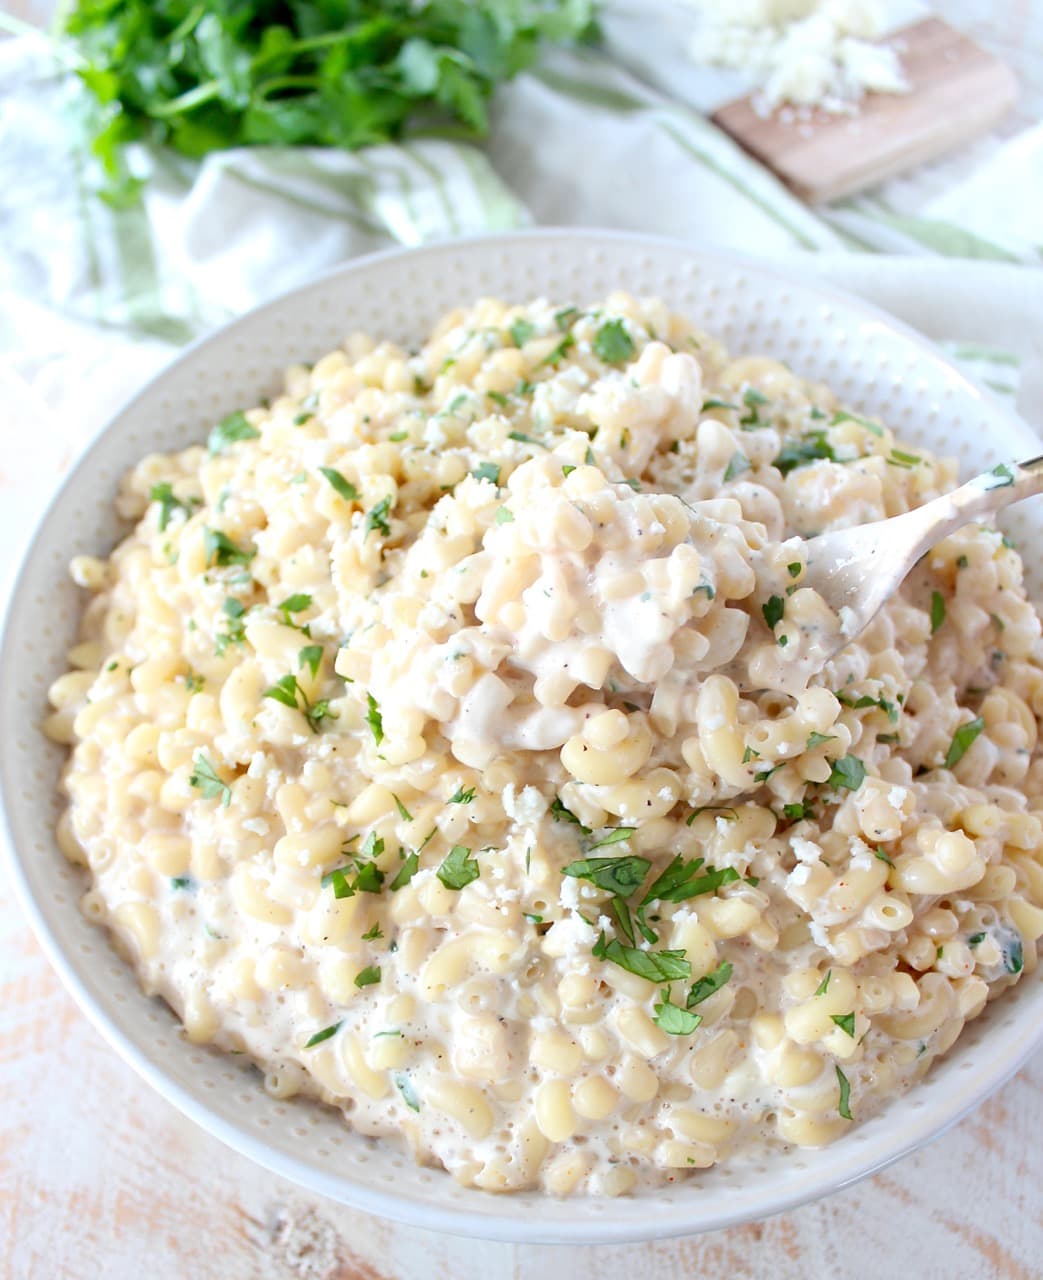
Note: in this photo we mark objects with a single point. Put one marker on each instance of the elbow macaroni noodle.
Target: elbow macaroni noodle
(436, 739)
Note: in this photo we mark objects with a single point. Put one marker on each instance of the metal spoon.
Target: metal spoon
(859, 569)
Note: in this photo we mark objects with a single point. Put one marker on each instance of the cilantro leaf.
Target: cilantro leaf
(310, 656)
(374, 719)
(168, 504)
(655, 966)
(937, 610)
(459, 868)
(618, 875)
(368, 977)
(813, 447)
(322, 1035)
(848, 772)
(521, 331)
(961, 740)
(679, 881)
(343, 487)
(844, 1104)
(377, 518)
(284, 691)
(406, 872)
(230, 431)
(773, 611)
(612, 343)
(220, 550)
(206, 778)
(674, 1020)
(703, 988)
(560, 813)
(614, 837)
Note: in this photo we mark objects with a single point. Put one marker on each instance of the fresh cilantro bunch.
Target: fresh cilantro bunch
(340, 73)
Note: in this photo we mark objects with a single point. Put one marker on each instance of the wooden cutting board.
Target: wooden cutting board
(957, 90)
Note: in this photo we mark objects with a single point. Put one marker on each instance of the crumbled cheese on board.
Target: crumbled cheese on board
(808, 53)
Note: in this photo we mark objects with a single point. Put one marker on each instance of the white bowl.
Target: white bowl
(876, 365)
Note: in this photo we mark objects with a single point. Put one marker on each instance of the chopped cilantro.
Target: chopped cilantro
(368, 977)
(310, 656)
(377, 518)
(341, 486)
(615, 836)
(561, 814)
(843, 416)
(556, 353)
(620, 876)
(459, 868)
(406, 872)
(998, 478)
(654, 966)
(521, 331)
(848, 772)
(844, 1104)
(168, 504)
(206, 778)
(220, 550)
(937, 610)
(374, 719)
(612, 343)
(672, 1019)
(961, 740)
(773, 611)
(813, 447)
(324, 1034)
(679, 881)
(707, 985)
(230, 431)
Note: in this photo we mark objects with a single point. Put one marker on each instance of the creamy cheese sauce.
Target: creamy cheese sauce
(442, 738)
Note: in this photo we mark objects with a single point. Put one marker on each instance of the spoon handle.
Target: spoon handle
(984, 495)
(857, 569)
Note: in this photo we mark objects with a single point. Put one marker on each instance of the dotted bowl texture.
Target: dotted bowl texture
(874, 364)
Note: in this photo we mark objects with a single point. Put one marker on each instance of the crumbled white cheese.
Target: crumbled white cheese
(819, 934)
(812, 53)
(805, 850)
(800, 875)
(897, 796)
(527, 805)
(848, 620)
